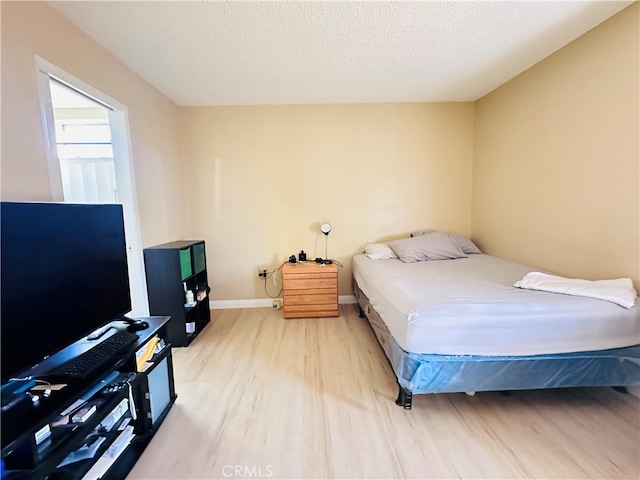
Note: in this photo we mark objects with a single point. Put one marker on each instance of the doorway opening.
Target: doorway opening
(89, 159)
(83, 145)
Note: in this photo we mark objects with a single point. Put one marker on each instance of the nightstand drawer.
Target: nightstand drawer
(301, 273)
(308, 298)
(310, 311)
(296, 283)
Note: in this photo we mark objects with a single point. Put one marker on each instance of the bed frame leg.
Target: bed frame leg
(404, 398)
(361, 313)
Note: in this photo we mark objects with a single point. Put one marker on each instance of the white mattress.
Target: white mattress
(469, 306)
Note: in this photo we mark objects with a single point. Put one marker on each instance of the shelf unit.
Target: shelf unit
(169, 268)
(118, 431)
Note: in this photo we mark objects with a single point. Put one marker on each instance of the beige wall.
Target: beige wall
(263, 178)
(30, 28)
(556, 161)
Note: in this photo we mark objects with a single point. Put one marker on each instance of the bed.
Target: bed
(460, 325)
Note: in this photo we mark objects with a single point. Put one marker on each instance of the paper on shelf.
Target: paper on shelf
(104, 463)
(146, 352)
(88, 450)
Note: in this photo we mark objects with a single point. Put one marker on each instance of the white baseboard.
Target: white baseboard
(346, 299)
(249, 303)
(263, 302)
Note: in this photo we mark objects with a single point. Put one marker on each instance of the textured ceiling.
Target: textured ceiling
(253, 53)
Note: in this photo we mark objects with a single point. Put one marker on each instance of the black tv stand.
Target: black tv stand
(38, 437)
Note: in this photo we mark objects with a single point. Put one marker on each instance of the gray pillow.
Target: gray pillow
(465, 243)
(432, 246)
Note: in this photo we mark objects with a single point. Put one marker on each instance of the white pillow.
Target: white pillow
(378, 251)
(433, 246)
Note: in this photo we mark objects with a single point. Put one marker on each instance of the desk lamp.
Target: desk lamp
(325, 228)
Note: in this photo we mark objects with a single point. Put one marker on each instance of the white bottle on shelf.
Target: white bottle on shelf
(189, 297)
(189, 300)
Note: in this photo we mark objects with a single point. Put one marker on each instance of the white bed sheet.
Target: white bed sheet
(469, 306)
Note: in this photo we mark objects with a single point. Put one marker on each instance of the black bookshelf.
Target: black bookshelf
(172, 268)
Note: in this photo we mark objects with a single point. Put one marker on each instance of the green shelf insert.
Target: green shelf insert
(185, 263)
(199, 263)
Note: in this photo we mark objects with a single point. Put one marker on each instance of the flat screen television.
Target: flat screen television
(63, 275)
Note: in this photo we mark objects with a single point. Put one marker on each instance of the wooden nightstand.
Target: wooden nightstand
(310, 290)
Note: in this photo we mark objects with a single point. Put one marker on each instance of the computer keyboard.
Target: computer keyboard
(93, 361)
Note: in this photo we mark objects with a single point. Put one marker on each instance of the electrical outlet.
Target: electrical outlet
(262, 272)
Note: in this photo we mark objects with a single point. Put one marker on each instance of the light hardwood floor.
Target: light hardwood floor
(264, 397)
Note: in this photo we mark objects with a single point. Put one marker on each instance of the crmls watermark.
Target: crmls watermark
(247, 471)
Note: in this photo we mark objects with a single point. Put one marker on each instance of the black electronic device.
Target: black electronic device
(14, 407)
(137, 325)
(91, 362)
(114, 388)
(64, 274)
(292, 259)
